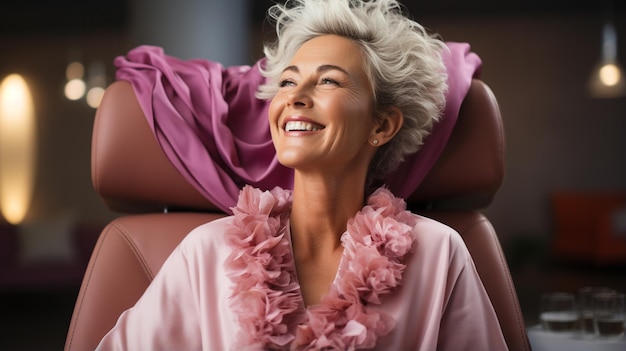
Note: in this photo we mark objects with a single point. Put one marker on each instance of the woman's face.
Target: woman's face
(322, 117)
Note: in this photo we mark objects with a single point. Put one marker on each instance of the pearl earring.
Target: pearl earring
(375, 141)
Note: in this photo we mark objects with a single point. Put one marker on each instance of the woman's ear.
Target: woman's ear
(389, 125)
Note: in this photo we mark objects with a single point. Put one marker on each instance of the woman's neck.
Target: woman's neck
(321, 209)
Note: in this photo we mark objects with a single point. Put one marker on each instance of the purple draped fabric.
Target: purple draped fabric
(216, 133)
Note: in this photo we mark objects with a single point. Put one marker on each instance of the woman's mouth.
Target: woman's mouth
(302, 126)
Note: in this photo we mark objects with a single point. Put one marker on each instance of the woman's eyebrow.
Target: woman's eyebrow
(324, 68)
(320, 69)
(292, 68)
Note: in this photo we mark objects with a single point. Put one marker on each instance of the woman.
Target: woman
(334, 264)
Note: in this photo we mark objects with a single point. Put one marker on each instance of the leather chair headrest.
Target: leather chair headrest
(470, 170)
(131, 173)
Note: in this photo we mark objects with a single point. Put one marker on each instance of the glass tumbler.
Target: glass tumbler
(608, 315)
(558, 312)
(585, 308)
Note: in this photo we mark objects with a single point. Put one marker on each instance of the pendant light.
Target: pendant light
(607, 78)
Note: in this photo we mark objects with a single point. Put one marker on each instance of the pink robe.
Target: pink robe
(441, 303)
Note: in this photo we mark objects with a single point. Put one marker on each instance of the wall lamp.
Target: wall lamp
(17, 148)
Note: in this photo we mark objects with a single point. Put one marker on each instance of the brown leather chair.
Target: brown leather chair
(132, 175)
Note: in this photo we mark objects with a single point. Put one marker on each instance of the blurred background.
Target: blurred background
(560, 214)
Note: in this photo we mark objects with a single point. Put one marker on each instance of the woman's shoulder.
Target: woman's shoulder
(432, 227)
(434, 235)
(212, 233)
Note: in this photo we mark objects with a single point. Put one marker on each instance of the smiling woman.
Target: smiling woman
(338, 262)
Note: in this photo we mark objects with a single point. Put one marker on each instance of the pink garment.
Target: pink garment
(216, 133)
(440, 304)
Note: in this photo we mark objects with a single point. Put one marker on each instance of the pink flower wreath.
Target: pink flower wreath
(266, 295)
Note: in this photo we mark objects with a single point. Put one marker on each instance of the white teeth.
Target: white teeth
(301, 126)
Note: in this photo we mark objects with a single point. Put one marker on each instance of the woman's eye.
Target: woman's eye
(286, 83)
(329, 81)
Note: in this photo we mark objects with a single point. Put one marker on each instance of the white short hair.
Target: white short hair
(403, 62)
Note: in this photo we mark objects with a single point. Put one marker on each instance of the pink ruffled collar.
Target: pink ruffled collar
(266, 295)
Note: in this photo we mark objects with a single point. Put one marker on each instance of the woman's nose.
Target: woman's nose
(300, 97)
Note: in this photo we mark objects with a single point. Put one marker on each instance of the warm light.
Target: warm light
(96, 82)
(606, 79)
(94, 96)
(75, 89)
(17, 148)
(609, 74)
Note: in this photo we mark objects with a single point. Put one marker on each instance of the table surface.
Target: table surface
(542, 340)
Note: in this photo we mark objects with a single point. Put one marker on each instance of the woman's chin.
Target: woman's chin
(290, 163)
(296, 159)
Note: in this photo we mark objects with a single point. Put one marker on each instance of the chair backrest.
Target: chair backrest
(131, 174)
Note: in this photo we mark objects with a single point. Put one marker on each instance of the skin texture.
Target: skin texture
(326, 86)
